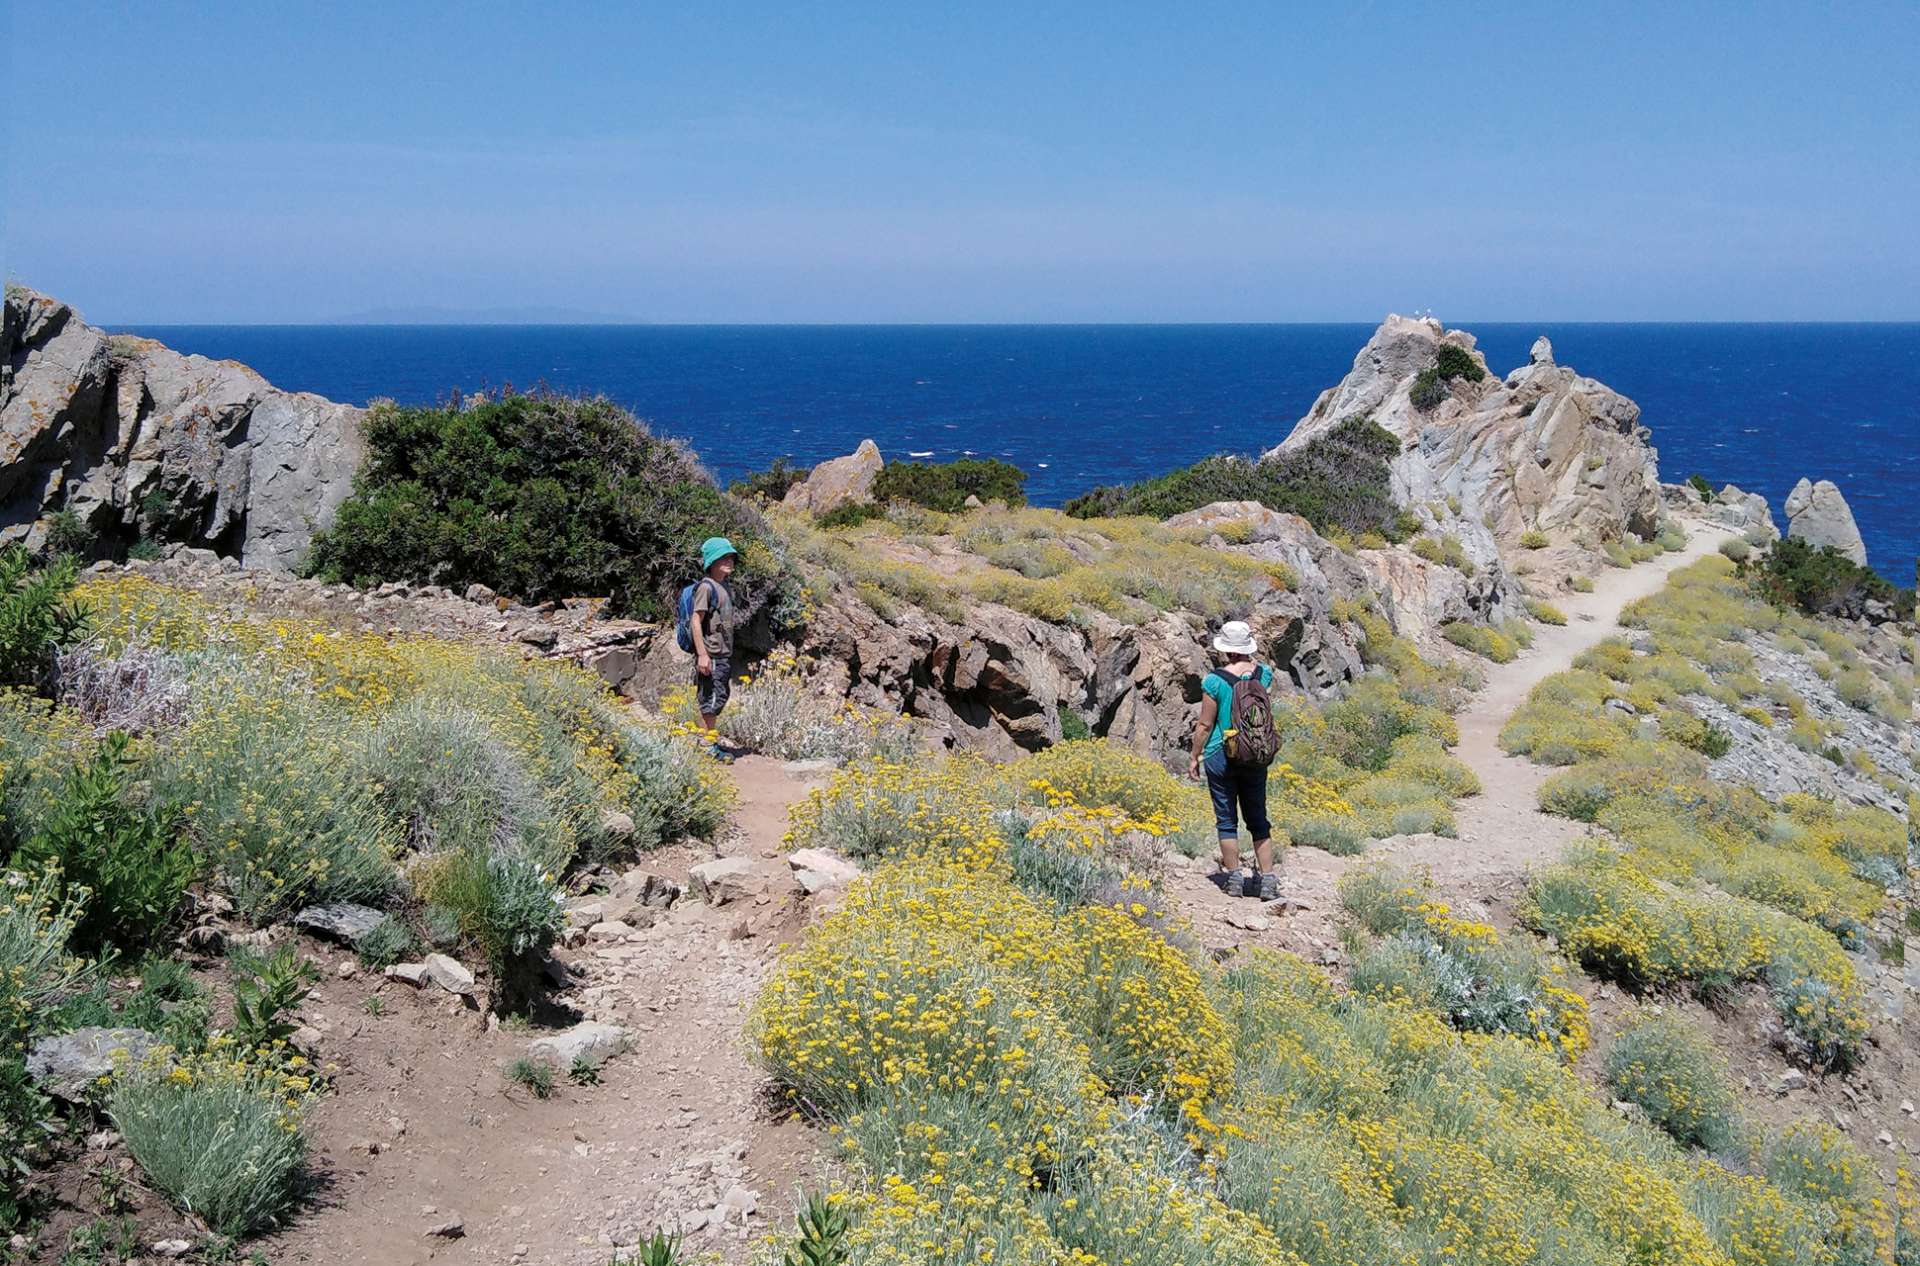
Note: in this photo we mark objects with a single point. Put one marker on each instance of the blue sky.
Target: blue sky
(1113, 162)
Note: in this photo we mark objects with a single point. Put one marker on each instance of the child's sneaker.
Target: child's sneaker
(720, 754)
(1269, 886)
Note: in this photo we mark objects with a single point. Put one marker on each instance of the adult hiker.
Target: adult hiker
(1234, 743)
(706, 618)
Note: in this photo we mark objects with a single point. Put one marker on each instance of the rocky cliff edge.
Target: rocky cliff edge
(135, 439)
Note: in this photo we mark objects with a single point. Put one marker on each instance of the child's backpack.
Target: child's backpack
(1251, 737)
(683, 629)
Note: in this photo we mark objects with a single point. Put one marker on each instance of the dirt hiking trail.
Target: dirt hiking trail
(425, 1132)
(1501, 831)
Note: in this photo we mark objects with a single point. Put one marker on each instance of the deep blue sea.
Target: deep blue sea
(1756, 405)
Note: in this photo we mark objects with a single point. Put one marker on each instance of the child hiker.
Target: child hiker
(1234, 742)
(710, 626)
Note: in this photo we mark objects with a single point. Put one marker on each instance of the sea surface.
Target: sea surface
(1076, 406)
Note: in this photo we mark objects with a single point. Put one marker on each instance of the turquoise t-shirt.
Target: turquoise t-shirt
(1220, 686)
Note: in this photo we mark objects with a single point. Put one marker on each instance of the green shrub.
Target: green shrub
(131, 860)
(38, 978)
(1701, 486)
(1446, 550)
(771, 484)
(1337, 480)
(1545, 612)
(1580, 584)
(1666, 1066)
(1428, 390)
(1481, 640)
(1736, 549)
(1454, 361)
(389, 941)
(945, 486)
(539, 496)
(1671, 538)
(850, 514)
(1533, 538)
(1820, 580)
(37, 616)
(535, 1075)
(507, 907)
(267, 992)
(220, 1144)
(68, 536)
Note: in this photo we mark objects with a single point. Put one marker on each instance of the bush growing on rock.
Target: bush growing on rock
(1336, 481)
(945, 486)
(539, 496)
(1820, 580)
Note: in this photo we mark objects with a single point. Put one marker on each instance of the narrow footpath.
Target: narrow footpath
(1502, 832)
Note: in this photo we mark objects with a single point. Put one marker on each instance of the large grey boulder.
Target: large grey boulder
(1542, 450)
(67, 1066)
(1747, 511)
(342, 921)
(843, 481)
(1819, 515)
(139, 440)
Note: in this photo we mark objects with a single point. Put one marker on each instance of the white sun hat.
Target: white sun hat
(1235, 639)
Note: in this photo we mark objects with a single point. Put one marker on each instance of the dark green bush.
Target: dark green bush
(1700, 485)
(1338, 480)
(770, 484)
(1428, 390)
(37, 617)
(1450, 362)
(133, 860)
(945, 486)
(69, 537)
(539, 496)
(1453, 361)
(1820, 580)
(505, 908)
(851, 514)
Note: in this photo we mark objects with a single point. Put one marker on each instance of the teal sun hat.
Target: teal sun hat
(715, 549)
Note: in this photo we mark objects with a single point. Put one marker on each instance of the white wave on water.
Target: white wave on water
(927, 453)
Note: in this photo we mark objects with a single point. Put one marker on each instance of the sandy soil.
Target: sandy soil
(423, 1129)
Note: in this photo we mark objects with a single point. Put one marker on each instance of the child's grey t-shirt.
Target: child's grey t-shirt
(713, 598)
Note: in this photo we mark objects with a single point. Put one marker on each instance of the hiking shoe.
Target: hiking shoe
(1269, 886)
(720, 754)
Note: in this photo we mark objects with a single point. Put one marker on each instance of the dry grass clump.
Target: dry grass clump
(1545, 612)
(1445, 550)
(1044, 564)
(1483, 640)
(772, 711)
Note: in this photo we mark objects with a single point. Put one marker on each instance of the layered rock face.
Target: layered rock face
(138, 440)
(1819, 515)
(1543, 450)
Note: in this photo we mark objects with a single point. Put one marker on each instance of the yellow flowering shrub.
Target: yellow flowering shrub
(938, 809)
(1097, 773)
(1422, 954)
(306, 757)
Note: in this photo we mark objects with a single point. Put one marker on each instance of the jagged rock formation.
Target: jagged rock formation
(136, 439)
(1819, 515)
(1542, 450)
(843, 481)
(996, 680)
(1730, 507)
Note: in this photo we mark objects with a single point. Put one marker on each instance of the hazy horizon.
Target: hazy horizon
(1125, 164)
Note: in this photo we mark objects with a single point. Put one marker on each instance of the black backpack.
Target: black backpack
(1252, 738)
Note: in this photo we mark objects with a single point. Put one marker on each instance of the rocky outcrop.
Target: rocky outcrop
(1747, 511)
(843, 481)
(1819, 515)
(1542, 450)
(997, 679)
(138, 440)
